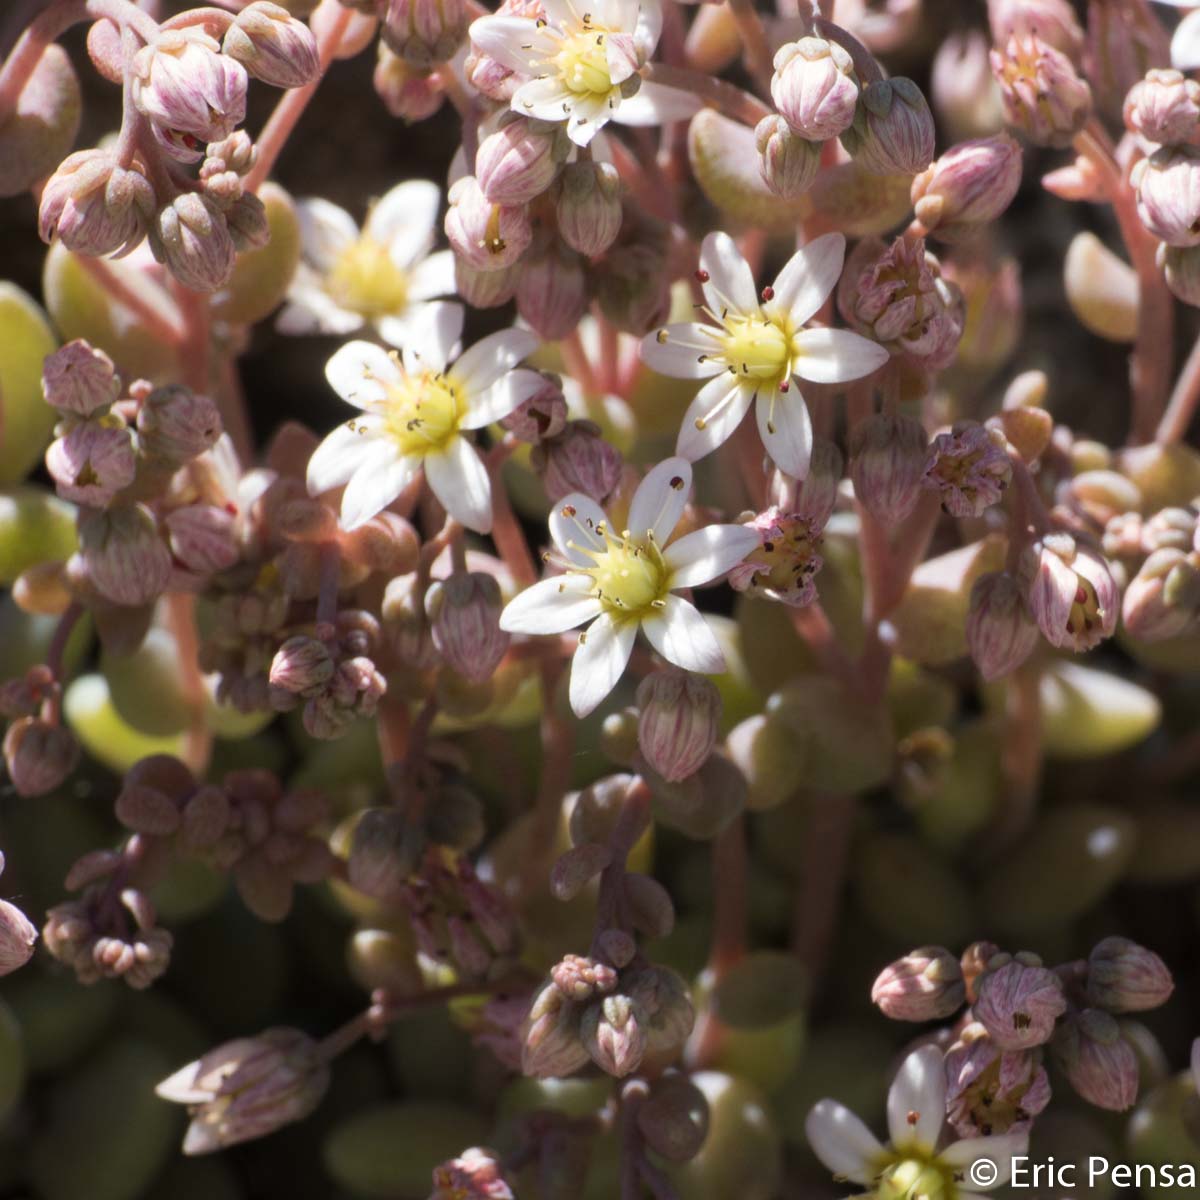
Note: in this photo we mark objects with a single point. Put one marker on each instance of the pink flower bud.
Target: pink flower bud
(543, 415)
(80, 380)
(177, 425)
(887, 459)
(1168, 194)
(248, 1088)
(611, 1032)
(581, 978)
(552, 292)
(1070, 591)
(785, 564)
(578, 460)
(589, 209)
(191, 239)
(678, 723)
(1000, 633)
(1164, 107)
(1180, 266)
(1054, 21)
(814, 88)
(1019, 1004)
(925, 985)
(246, 220)
(302, 665)
(201, 537)
(486, 288)
(91, 462)
(551, 1047)
(898, 296)
(1151, 607)
(473, 1175)
(1124, 977)
(39, 755)
(487, 236)
(464, 618)
(407, 92)
(518, 162)
(17, 938)
(182, 82)
(990, 1091)
(893, 130)
(968, 187)
(93, 206)
(1097, 1061)
(969, 468)
(1043, 95)
(787, 163)
(273, 46)
(125, 558)
(425, 32)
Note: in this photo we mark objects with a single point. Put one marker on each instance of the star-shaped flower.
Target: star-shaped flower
(754, 348)
(382, 276)
(623, 580)
(416, 410)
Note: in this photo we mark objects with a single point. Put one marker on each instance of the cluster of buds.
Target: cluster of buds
(1162, 599)
(1043, 94)
(39, 752)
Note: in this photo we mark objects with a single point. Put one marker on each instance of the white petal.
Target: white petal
(656, 104)
(309, 310)
(786, 430)
(649, 26)
(336, 459)
(807, 279)
(1001, 1150)
(841, 1141)
(917, 1100)
(604, 649)
(660, 499)
(682, 636)
(381, 476)
(435, 331)
(552, 605)
(573, 523)
(404, 220)
(546, 99)
(1185, 44)
(183, 1087)
(719, 422)
(836, 355)
(506, 39)
(682, 350)
(703, 555)
(325, 231)
(730, 283)
(432, 276)
(501, 398)
(458, 478)
(560, 13)
(360, 373)
(589, 114)
(480, 366)
(204, 1135)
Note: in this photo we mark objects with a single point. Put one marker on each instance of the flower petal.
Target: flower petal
(336, 459)
(1185, 43)
(480, 366)
(436, 330)
(835, 355)
(660, 499)
(458, 478)
(807, 279)
(309, 310)
(604, 650)
(589, 114)
(360, 373)
(917, 1100)
(382, 475)
(551, 605)
(786, 431)
(501, 398)
(841, 1141)
(432, 276)
(682, 636)
(573, 523)
(1001, 1150)
(682, 350)
(702, 556)
(656, 104)
(730, 283)
(546, 99)
(325, 231)
(514, 42)
(404, 219)
(715, 412)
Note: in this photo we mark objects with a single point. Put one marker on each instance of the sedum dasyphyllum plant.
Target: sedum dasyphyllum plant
(600, 602)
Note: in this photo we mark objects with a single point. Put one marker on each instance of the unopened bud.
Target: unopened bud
(425, 32)
(464, 618)
(893, 132)
(1168, 194)
(407, 92)
(1019, 1004)
(787, 162)
(93, 206)
(1000, 633)
(92, 461)
(580, 978)
(925, 985)
(302, 666)
(192, 240)
(677, 727)
(487, 236)
(383, 853)
(814, 87)
(273, 46)
(887, 460)
(201, 537)
(1161, 601)
(125, 558)
(176, 424)
(1164, 107)
(970, 186)
(1043, 95)
(246, 220)
(1071, 592)
(520, 161)
(1097, 1061)
(589, 209)
(578, 460)
(39, 755)
(17, 938)
(1124, 977)
(551, 1047)
(611, 1032)
(552, 291)
(80, 380)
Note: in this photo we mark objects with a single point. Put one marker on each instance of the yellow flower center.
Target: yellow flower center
(758, 349)
(1085, 610)
(582, 63)
(365, 280)
(422, 412)
(629, 576)
(916, 1179)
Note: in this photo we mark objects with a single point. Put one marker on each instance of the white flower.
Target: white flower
(583, 64)
(415, 410)
(754, 349)
(910, 1167)
(382, 276)
(620, 582)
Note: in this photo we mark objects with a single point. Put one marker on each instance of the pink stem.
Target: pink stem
(1182, 405)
